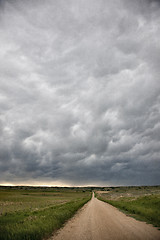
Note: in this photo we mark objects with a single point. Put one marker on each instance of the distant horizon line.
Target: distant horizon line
(84, 186)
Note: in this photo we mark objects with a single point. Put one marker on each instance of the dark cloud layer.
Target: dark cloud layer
(80, 92)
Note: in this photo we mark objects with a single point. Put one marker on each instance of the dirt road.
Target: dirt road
(100, 221)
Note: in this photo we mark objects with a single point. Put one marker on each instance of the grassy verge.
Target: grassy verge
(146, 208)
(47, 213)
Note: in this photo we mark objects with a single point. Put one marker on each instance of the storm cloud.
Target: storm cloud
(80, 92)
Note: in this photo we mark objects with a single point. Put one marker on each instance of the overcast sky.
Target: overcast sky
(80, 92)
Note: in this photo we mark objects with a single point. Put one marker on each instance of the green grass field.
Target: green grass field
(34, 213)
(142, 203)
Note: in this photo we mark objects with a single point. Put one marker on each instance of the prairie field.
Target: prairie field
(141, 202)
(34, 213)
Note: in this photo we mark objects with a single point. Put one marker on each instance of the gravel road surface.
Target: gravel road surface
(100, 221)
